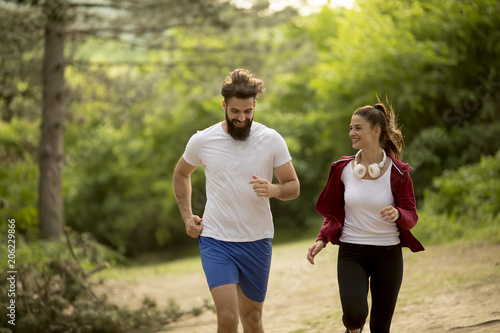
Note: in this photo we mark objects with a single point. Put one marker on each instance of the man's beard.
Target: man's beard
(239, 133)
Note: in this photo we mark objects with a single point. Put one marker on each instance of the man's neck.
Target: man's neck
(224, 126)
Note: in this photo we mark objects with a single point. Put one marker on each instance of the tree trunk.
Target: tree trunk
(8, 113)
(50, 208)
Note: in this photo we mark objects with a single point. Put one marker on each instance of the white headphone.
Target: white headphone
(373, 169)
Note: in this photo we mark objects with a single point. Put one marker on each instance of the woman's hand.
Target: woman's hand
(314, 250)
(389, 214)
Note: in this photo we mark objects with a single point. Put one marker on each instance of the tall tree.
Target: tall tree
(50, 209)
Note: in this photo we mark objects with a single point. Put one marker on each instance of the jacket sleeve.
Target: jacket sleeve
(321, 236)
(406, 204)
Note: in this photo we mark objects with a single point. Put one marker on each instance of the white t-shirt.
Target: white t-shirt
(233, 212)
(363, 201)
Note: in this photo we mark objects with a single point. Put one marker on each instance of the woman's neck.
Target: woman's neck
(370, 156)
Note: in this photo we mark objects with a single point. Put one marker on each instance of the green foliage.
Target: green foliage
(463, 204)
(18, 175)
(434, 60)
(436, 150)
(20, 61)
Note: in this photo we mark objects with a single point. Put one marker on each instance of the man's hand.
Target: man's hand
(194, 226)
(262, 187)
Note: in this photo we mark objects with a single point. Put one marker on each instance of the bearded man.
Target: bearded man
(239, 157)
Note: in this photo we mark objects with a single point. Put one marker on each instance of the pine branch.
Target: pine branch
(115, 30)
(91, 5)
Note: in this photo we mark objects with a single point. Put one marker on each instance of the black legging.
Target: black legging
(383, 265)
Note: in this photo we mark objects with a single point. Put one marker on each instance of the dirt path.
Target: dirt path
(445, 289)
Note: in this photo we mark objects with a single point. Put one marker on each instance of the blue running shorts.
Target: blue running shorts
(245, 263)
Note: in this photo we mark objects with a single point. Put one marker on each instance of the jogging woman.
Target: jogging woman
(369, 208)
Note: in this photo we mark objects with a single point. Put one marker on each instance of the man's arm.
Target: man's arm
(287, 189)
(182, 191)
(289, 186)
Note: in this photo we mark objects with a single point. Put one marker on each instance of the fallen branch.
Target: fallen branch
(97, 269)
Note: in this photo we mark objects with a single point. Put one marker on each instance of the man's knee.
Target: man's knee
(227, 319)
(252, 319)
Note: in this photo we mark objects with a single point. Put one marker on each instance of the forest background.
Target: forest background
(138, 78)
(134, 92)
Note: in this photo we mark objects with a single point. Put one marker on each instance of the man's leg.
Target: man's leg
(254, 265)
(222, 278)
(226, 304)
(251, 314)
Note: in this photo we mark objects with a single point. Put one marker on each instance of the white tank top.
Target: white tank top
(363, 201)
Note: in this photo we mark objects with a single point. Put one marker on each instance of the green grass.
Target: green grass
(134, 272)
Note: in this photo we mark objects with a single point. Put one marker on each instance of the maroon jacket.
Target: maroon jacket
(331, 203)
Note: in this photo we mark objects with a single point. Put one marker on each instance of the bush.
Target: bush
(435, 149)
(463, 204)
(54, 294)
